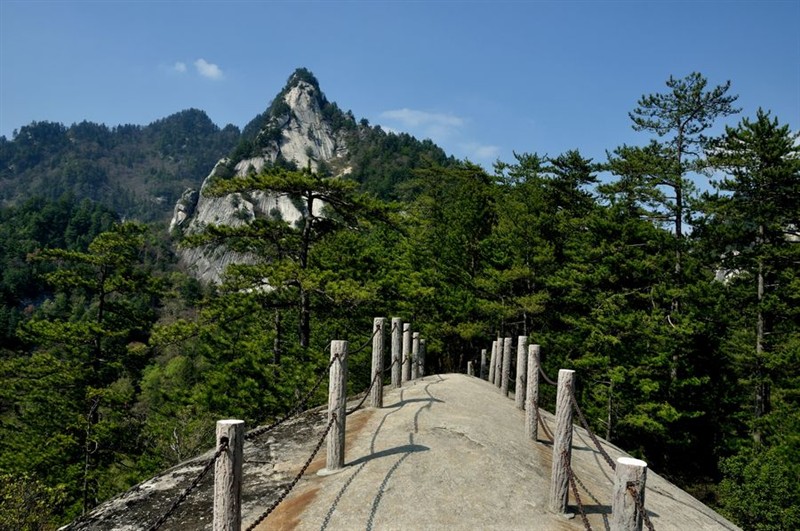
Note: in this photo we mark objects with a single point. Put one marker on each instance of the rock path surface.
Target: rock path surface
(448, 452)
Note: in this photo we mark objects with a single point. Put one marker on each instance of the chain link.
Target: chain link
(639, 507)
(296, 478)
(588, 429)
(389, 368)
(545, 377)
(367, 343)
(586, 490)
(366, 394)
(222, 447)
(300, 407)
(544, 427)
(571, 477)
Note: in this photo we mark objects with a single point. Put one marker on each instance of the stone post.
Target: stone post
(492, 362)
(422, 351)
(532, 393)
(415, 355)
(506, 366)
(228, 477)
(625, 515)
(522, 367)
(498, 370)
(378, 340)
(483, 364)
(562, 445)
(397, 349)
(406, 352)
(470, 369)
(337, 401)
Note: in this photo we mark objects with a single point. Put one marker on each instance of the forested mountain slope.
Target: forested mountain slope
(139, 171)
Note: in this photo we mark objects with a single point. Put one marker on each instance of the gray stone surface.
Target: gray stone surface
(449, 453)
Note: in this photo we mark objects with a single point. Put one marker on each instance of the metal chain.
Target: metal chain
(592, 436)
(296, 478)
(295, 410)
(640, 507)
(586, 490)
(544, 427)
(366, 394)
(365, 345)
(546, 379)
(223, 445)
(389, 368)
(571, 477)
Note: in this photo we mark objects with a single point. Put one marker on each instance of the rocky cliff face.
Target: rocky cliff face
(295, 130)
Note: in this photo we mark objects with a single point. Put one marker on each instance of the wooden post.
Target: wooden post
(506, 366)
(406, 352)
(337, 401)
(562, 445)
(228, 477)
(378, 340)
(522, 368)
(470, 369)
(625, 515)
(492, 362)
(422, 350)
(532, 393)
(397, 349)
(483, 364)
(415, 356)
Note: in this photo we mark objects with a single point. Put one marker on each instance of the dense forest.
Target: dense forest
(138, 171)
(666, 275)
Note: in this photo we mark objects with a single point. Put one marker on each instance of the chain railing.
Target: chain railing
(571, 478)
(366, 394)
(639, 507)
(193, 485)
(588, 429)
(546, 378)
(299, 407)
(294, 481)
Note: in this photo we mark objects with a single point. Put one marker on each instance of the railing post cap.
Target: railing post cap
(230, 422)
(566, 371)
(630, 461)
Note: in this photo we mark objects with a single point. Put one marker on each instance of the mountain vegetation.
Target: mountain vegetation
(115, 363)
(140, 172)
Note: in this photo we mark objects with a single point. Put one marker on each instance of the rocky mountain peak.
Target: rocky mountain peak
(297, 130)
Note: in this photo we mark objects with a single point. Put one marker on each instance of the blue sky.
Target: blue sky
(481, 79)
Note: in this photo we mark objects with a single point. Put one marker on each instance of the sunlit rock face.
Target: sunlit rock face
(294, 132)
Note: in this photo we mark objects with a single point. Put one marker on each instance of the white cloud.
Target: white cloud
(209, 70)
(179, 67)
(439, 127)
(414, 118)
(477, 151)
(451, 132)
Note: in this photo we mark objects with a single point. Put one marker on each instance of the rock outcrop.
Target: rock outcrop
(295, 131)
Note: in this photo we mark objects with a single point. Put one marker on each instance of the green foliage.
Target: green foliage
(27, 504)
(760, 490)
(140, 172)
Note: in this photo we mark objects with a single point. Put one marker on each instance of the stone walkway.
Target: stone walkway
(449, 453)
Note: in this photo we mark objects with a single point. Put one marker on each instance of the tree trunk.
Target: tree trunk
(276, 345)
(762, 387)
(305, 319)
